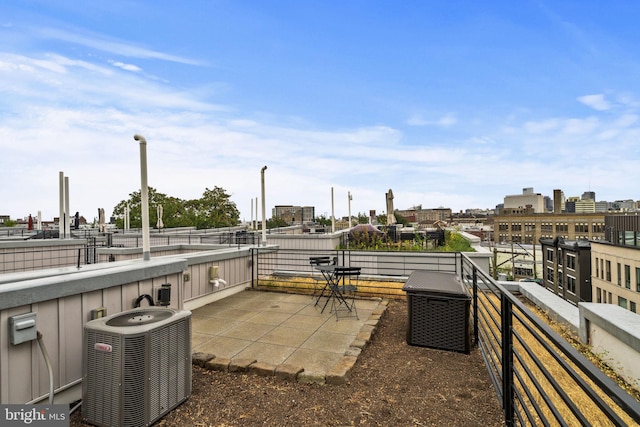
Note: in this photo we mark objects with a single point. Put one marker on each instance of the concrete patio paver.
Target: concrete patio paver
(287, 331)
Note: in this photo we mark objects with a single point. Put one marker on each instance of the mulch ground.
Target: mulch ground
(392, 384)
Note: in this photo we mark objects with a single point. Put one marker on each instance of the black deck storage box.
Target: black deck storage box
(438, 306)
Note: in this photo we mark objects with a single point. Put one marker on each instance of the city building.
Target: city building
(527, 198)
(616, 263)
(585, 206)
(294, 214)
(625, 205)
(567, 268)
(419, 215)
(558, 201)
(529, 227)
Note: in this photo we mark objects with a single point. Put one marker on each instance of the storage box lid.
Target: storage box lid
(435, 282)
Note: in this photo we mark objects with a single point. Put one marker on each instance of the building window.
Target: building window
(550, 275)
(637, 279)
(622, 302)
(619, 271)
(608, 271)
(598, 295)
(632, 306)
(627, 276)
(571, 284)
(550, 255)
(571, 262)
(560, 279)
(597, 268)
(598, 227)
(582, 228)
(516, 226)
(522, 271)
(601, 269)
(629, 238)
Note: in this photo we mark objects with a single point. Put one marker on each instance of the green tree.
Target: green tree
(400, 219)
(276, 222)
(213, 209)
(10, 223)
(362, 218)
(323, 220)
(135, 209)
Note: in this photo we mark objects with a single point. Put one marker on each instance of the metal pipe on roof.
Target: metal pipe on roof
(264, 218)
(67, 217)
(61, 199)
(144, 196)
(333, 218)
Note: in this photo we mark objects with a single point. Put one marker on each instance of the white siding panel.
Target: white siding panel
(19, 364)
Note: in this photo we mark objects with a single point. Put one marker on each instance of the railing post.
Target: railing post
(254, 260)
(507, 361)
(475, 306)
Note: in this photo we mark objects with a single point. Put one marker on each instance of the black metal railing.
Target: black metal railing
(382, 273)
(80, 252)
(233, 238)
(539, 377)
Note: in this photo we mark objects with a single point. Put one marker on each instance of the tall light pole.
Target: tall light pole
(349, 200)
(144, 195)
(264, 218)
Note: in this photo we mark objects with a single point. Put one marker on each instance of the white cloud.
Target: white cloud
(597, 102)
(542, 126)
(445, 121)
(126, 67)
(110, 45)
(80, 117)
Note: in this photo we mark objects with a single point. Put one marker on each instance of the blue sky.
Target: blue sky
(447, 103)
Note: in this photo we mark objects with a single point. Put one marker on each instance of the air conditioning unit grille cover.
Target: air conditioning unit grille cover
(136, 373)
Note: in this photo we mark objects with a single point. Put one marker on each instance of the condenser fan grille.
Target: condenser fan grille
(140, 317)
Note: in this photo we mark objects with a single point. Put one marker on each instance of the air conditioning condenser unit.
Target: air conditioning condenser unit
(136, 366)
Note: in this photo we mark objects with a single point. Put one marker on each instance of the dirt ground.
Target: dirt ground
(392, 384)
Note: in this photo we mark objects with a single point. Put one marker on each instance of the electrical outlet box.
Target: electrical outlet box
(99, 312)
(162, 295)
(22, 328)
(186, 277)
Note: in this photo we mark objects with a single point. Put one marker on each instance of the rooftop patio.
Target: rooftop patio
(283, 333)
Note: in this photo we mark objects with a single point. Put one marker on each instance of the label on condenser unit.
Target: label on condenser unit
(103, 347)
